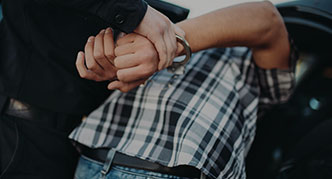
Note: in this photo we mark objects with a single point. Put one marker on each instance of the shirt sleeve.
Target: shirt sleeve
(276, 85)
(123, 15)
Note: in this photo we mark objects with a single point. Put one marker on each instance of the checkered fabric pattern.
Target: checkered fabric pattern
(204, 118)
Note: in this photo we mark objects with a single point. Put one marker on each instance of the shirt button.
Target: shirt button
(119, 19)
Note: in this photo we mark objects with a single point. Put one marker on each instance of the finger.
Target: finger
(172, 36)
(80, 66)
(171, 46)
(109, 45)
(124, 49)
(126, 61)
(162, 53)
(174, 46)
(129, 38)
(89, 57)
(125, 87)
(83, 71)
(135, 73)
(99, 53)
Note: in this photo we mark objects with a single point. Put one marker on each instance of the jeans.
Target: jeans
(90, 169)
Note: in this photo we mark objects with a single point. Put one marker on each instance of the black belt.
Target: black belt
(55, 120)
(120, 159)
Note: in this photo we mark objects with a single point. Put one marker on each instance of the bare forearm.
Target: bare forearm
(256, 25)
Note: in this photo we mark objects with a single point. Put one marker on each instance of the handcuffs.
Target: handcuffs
(178, 67)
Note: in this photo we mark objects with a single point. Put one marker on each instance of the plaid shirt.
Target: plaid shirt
(204, 118)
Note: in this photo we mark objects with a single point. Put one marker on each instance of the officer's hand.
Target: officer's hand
(97, 61)
(161, 32)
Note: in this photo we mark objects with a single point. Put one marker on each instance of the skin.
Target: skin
(154, 26)
(97, 61)
(134, 54)
(161, 32)
(256, 25)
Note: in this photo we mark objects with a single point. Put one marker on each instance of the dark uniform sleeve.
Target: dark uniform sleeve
(123, 15)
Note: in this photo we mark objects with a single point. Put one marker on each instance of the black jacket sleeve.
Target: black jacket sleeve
(124, 15)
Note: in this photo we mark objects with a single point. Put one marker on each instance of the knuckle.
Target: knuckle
(98, 55)
(153, 68)
(116, 62)
(150, 67)
(110, 75)
(110, 55)
(120, 76)
(93, 66)
(116, 52)
(124, 89)
(83, 75)
(147, 72)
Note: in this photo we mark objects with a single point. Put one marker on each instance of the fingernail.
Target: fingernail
(102, 31)
(79, 55)
(90, 39)
(108, 30)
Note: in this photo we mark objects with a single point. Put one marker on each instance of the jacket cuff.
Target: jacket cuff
(123, 15)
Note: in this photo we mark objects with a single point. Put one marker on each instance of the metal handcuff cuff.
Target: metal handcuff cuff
(178, 67)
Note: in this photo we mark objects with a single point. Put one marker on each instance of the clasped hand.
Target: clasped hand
(126, 64)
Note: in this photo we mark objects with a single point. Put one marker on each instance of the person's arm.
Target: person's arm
(132, 16)
(257, 25)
